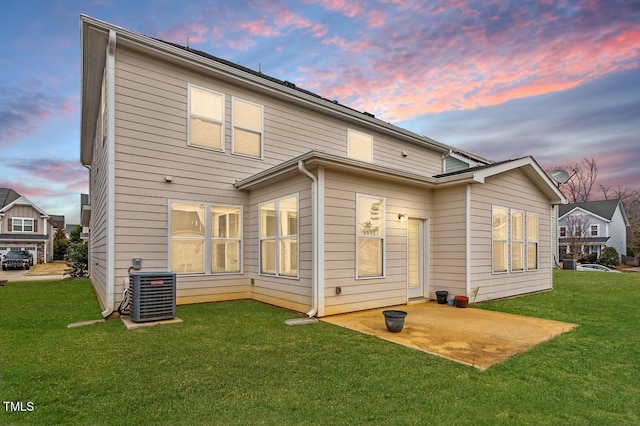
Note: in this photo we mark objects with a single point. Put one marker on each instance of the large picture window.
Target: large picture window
(247, 128)
(500, 239)
(279, 237)
(206, 118)
(370, 212)
(192, 224)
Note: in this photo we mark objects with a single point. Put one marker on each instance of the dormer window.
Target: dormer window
(19, 224)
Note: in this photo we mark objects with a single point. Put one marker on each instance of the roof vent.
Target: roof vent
(368, 114)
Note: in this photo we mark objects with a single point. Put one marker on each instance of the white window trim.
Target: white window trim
(222, 122)
(276, 238)
(234, 126)
(597, 230)
(537, 241)
(560, 232)
(383, 237)
(507, 240)
(207, 238)
(510, 241)
(13, 224)
(349, 132)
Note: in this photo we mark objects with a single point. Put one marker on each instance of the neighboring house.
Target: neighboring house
(24, 226)
(246, 186)
(592, 226)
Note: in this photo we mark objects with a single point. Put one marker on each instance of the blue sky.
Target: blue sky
(559, 80)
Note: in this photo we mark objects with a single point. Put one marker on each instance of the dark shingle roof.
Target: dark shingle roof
(8, 196)
(602, 208)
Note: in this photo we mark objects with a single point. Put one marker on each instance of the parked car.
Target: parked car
(594, 267)
(16, 260)
(28, 253)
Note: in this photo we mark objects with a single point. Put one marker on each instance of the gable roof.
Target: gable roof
(8, 196)
(476, 175)
(602, 208)
(97, 36)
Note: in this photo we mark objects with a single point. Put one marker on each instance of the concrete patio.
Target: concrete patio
(474, 337)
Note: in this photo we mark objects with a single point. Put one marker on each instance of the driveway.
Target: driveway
(470, 336)
(20, 275)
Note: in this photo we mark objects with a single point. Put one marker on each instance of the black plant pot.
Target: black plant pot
(394, 320)
(442, 297)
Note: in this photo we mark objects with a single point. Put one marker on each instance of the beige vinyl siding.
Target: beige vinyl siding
(291, 293)
(151, 135)
(512, 190)
(24, 212)
(98, 224)
(340, 241)
(448, 241)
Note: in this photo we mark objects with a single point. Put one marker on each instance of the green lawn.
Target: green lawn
(238, 363)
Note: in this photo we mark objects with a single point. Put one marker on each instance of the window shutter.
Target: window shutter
(35, 225)
(9, 225)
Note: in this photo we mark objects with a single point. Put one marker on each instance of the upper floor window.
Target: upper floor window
(370, 213)
(206, 118)
(360, 146)
(595, 230)
(563, 231)
(19, 224)
(247, 128)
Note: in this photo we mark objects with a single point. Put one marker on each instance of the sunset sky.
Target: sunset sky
(559, 80)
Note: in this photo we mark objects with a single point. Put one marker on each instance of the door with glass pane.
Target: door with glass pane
(416, 258)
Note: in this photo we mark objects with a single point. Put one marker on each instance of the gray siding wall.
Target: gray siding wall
(99, 198)
(618, 233)
(512, 190)
(151, 143)
(448, 238)
(340, 241)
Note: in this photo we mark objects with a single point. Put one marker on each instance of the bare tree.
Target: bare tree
(578, 189)
(577, 233)
(627, 195)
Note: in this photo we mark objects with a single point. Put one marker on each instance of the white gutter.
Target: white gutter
(314, 239)
(111, 152)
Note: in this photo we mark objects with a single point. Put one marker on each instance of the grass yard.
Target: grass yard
(238, 363)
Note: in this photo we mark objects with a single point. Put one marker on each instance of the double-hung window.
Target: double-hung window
(595, 230)
(359, 146)
(517, 240)
(206, 118)
(192, 225)
(247, 128)
(500, 239)
(532, 241)
(370, 213)
(279, 237)
(22, 225)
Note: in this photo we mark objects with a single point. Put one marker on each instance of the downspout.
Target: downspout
(444, 160)
(468, 241)
(110, 93)
(314, 239)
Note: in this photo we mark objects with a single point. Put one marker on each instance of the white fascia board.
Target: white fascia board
(587, 212)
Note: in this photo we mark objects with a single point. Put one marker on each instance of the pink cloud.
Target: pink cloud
(194, 32)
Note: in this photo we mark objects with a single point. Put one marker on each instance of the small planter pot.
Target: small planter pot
(442, 297)
(461, 301)
(451, 301)
(394, 320)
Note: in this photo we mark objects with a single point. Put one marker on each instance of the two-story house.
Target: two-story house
(247, 186)
(591, 226)
(24, 226)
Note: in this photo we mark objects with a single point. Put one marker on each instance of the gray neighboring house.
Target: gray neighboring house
(605, 224)
(24, 226)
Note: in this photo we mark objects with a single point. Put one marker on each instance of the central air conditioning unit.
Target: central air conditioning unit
(153, 296)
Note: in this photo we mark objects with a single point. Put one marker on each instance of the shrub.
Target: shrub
(610, 257)
(77, 259)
